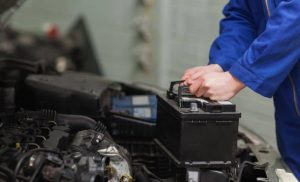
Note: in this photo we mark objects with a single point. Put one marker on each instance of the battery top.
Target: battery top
(185, 108)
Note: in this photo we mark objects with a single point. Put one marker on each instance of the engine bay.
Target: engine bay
(61, 122)
(65, 131)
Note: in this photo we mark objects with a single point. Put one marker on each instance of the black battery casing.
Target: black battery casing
(202, 139)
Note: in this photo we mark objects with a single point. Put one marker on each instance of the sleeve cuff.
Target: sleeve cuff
(224, 62)
(251, 80)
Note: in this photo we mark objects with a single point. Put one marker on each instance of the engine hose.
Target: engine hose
(77, 122)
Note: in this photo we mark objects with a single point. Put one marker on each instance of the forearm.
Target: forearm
(274, 53)
(237, 32)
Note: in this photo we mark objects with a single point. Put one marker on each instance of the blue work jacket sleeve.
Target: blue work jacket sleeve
(273, 54)
(237, 32)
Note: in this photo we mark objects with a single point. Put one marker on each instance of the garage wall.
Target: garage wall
(182, 33)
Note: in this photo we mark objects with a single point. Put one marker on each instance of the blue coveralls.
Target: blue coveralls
(259, 44)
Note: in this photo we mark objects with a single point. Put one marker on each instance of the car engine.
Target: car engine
(45, 146)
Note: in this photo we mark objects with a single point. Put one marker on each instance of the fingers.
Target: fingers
(198, 86)
(194, 77)
(197, 75)
(195, 86)
(206, 89)
(212, 96)
(220, 97)
(206, 81)
(194, 73)
(201, 91)
(220, 86)
(189, 72)
(185, 77)
(203, 88)
(185, 82)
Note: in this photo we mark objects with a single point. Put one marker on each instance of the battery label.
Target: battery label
(142, 112)
(140, 100)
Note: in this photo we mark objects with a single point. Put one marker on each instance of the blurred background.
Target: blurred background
(151, 41)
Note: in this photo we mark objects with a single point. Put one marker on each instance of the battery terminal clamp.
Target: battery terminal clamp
(180, 93)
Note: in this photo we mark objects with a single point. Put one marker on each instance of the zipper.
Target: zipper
(268, 8)
(295, 97)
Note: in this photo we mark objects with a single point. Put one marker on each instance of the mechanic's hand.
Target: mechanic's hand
(196, 72)
(216, 86)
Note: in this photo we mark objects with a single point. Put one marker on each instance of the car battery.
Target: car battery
(196, 132)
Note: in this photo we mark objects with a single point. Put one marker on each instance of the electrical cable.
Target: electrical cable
(11, 63)
(22, 178)
(243, 166)
(150, 173)
(36, 172)
(27, 154)
(8, 172)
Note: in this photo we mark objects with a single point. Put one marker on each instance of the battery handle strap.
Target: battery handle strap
(182, 91)
(170, 93)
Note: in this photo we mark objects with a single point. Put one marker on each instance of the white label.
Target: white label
(194, 99)
(202, 100)
(140, 100)
(142, 112)
(193, 176)
(225, 102)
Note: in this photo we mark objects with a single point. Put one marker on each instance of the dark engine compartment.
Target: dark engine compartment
(41, 145)
(75, 126)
